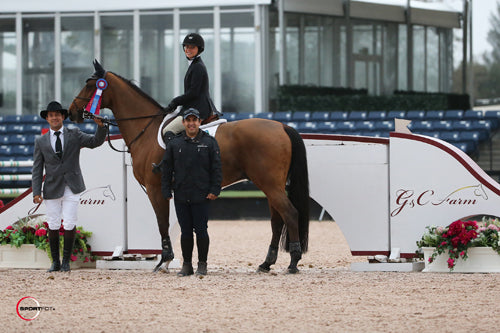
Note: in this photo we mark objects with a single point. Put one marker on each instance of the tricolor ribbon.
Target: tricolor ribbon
(95, 102)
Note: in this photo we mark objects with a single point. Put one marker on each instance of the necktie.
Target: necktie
(58, 144)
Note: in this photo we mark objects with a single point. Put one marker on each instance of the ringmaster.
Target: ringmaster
(58, 151)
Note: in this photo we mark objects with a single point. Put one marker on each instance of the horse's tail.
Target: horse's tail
(298, 188)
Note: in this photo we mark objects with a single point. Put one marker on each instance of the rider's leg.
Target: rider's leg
(168, 132)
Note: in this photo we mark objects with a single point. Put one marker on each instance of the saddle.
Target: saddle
(209, 125)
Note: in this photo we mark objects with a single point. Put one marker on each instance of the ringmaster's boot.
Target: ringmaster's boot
(69, 241)
(166, 138)
(203, 245)
(54, 250)
(187, 245)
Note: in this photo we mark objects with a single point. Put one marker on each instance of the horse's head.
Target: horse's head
(77, 107)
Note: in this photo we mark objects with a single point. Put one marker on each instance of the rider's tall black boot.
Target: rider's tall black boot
(69, 241)
(166, 138)
(54, 250)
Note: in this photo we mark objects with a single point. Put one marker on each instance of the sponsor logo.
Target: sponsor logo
(463, 196)
(97, 196)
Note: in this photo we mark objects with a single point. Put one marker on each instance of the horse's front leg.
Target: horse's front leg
(161, 208)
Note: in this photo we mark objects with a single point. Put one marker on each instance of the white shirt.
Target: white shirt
(53, 138)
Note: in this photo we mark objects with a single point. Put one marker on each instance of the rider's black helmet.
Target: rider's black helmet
(196, 40)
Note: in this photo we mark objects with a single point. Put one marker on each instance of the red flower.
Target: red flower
(86, 259)
(41, 232)
(73, 258)
(78, 231)
(46, 225)
(451, 263)
(9, 228)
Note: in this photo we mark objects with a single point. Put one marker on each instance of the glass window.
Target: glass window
(402, 58)
(117, 44)
(432, 60)
(202, 24)
(8, 65)
(157, 63)
(237, 48)
(77, 54)
(419, 58)
(446, 58)
(38, 64)
(293, 48)
(274, 59)
(367, 50)
(390, 54)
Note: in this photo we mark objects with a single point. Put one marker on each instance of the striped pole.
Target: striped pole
(12, 192)
(14, 177)
(15, 164)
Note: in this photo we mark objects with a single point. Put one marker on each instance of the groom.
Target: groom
(58, 151)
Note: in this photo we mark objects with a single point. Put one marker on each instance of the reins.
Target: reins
(105, 120)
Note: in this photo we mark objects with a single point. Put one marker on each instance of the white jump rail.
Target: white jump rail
(14, 192)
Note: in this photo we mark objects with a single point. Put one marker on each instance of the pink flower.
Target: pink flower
(430, 260)
(462, 253)
(493, 227)
(73, 258)
(78, 231)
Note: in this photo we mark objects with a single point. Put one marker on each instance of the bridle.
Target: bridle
(87, 115)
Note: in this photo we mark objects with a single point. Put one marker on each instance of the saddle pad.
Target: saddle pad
(210, 128)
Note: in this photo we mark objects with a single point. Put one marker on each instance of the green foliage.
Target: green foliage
(35, 231)
(306, 98)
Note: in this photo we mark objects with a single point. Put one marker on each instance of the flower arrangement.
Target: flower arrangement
(459, 236)
(29, 231)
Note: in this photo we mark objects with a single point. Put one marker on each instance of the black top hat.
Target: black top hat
(54, 106)
(191, 112)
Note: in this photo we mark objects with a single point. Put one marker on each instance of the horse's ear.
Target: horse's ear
(99, 70)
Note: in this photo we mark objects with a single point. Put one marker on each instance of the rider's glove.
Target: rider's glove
(170, 108)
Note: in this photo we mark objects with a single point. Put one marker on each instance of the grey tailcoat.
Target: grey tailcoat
(60, 172)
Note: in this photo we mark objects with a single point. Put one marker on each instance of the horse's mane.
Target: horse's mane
(138, 90)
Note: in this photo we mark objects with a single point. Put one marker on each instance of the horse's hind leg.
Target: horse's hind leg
(272, 253)
(289, 216)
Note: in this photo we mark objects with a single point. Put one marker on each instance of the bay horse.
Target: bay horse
(270, 154)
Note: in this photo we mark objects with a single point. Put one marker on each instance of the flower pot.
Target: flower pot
(481, 260)
(28, 256)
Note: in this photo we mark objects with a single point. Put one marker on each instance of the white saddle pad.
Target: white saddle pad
(210, 128)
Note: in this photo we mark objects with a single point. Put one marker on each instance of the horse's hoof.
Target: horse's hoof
(263, 270)
(292, 270)
(265, 267)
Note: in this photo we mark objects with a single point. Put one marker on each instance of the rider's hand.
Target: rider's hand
(170, 107)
